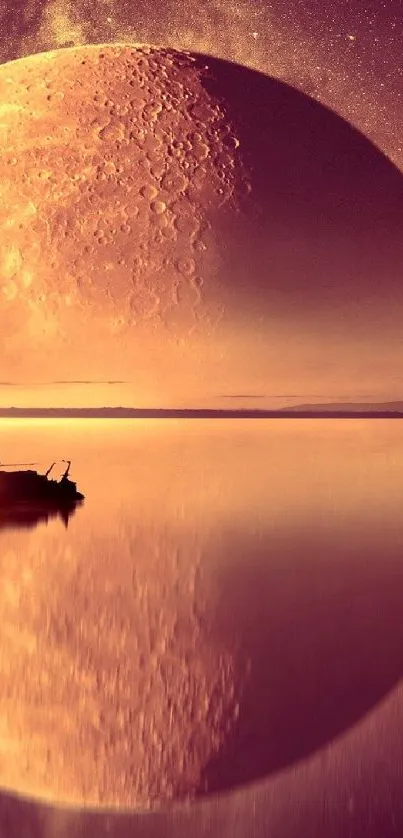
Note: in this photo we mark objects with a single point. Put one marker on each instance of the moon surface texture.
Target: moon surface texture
(114, 693)
(108, 240)
(191, 226)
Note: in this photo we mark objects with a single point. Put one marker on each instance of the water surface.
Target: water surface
(227, 600)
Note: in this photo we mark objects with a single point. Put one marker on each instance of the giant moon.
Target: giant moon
(193, 227)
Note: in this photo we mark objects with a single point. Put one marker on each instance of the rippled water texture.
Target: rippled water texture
(227, 600)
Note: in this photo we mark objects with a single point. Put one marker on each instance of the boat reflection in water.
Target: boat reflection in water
(26, 516)
(28, 498)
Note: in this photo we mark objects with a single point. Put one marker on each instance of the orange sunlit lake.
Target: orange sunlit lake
(227, 600)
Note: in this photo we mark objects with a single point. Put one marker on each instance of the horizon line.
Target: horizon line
(320, 411)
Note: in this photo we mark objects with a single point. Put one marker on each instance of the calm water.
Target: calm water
(227, 600)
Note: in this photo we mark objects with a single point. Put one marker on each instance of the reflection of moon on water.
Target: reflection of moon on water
(186, 665)
(191, 634)
(184, 222)
(160, 215)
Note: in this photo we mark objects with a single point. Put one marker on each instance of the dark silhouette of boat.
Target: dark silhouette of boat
(30, 490)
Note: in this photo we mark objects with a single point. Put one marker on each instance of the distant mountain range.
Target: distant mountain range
(351, 407)
(376, 410)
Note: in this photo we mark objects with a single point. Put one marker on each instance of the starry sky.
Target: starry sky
(345, 53)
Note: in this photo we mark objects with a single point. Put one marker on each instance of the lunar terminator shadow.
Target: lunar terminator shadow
(325, 642)
(321, 226)
(320, 623)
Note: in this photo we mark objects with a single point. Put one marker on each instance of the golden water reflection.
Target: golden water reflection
(227, 600)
